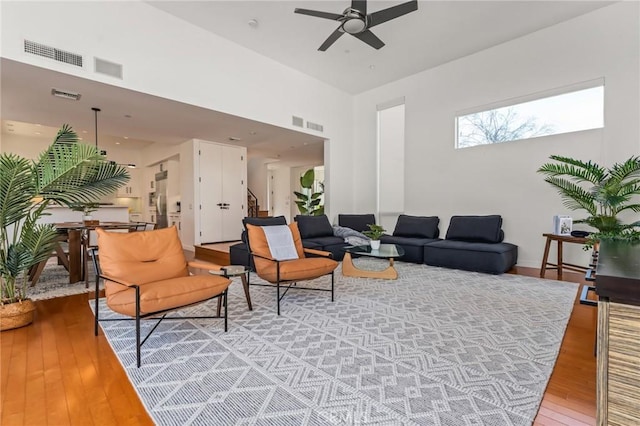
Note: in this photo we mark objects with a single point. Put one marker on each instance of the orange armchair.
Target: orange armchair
(147, 275)
(292, 271)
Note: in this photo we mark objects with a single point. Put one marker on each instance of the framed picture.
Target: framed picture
(562, 225)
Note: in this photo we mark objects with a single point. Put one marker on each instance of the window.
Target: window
(567, 112)
(391, 121)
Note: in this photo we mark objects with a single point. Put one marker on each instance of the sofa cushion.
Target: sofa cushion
(314, 226)
(323, 241)
(492, 258)
(483, 229)
(417, 226)
(406, 241)
(357, 222)
(413, 247)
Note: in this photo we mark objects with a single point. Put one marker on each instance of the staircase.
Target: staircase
(253, 208)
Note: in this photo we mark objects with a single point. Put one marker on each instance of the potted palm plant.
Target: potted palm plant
(603, 193)
(66, 173)
(374, 232)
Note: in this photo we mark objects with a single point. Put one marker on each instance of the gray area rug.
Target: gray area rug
(54, 282)
(435, 347)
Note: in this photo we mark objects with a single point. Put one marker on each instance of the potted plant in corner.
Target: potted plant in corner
(601, 192)
(66, 173)
(374, 232)
(309, 203)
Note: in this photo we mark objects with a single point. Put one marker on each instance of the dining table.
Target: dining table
(75, 233)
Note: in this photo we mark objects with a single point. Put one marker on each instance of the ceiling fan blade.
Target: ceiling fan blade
(331, 39)
(359, 5)
(384, 15)
(318, 14)
(370, 38)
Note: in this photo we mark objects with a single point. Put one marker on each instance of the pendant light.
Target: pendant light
(103, 152)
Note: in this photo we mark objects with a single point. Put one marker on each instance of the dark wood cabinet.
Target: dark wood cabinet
(618, 343)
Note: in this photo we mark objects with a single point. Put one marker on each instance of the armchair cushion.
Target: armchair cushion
(417, 226)
(314, 226)
(155, 262)
(141, 257)
(482, 229)
(261, 221)
(167, 294)
(290, 270)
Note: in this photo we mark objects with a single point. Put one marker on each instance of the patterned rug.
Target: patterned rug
(435, 347)
(54, 282)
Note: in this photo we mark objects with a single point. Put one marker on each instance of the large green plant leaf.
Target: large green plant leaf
(16, 189)
(579, 170)
(610, 191)
(76, 173)
(306, 180)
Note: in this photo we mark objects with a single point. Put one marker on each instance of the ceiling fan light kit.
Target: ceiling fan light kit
(355, 21)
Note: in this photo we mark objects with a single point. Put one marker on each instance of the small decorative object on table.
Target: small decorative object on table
(374, 232)
(562, 225)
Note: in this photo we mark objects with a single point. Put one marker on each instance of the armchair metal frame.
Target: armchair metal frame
(292, 284)
(222, 297)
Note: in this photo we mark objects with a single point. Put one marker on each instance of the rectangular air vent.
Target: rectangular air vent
(111, 69)
(315, 126)
(297, 121)
(65, 94)
(52, 53)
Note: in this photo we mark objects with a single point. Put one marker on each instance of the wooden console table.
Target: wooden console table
(560, 264)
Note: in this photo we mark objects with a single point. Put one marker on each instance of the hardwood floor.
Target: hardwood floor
(55, 372)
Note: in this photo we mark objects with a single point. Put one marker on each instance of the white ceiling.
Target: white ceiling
(26, 102)
(438, 32)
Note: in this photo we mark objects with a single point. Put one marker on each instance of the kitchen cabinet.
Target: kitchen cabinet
(152, 215)
(222, 191)
(174, 220)
(132, 188)
(135, 217)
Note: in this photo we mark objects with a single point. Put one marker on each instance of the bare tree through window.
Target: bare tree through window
(498, 125)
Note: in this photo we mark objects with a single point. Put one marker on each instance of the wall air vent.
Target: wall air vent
(52, 53)
(111, 69)
(315, 126)
(297, 121)
(65, 94)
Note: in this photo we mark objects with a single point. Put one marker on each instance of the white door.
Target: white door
(210, 192)
(234, 196)
(222, 192)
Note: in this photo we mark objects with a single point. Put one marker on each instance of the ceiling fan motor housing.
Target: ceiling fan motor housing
(353, 22)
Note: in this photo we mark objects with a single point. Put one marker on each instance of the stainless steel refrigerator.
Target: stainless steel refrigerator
(162, 219)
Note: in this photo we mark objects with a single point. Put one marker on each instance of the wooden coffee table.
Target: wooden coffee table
(386, 251)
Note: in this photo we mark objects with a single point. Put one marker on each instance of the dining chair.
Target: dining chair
(146, 275)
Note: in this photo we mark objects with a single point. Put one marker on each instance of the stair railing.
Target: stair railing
(252, 204)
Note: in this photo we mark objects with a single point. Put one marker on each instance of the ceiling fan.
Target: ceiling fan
(355, 21)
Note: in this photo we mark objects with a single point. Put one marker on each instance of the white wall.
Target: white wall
(282, 192)
(167, 57)
(257, 179)
(502, 179)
